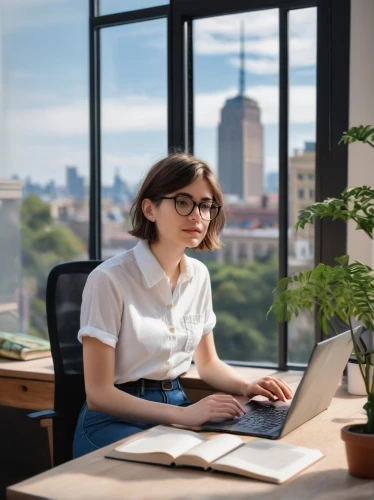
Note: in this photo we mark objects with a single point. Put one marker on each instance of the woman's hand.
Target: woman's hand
(270, 387)
(214, 406)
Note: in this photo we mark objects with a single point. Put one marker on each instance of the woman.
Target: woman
(148, 311)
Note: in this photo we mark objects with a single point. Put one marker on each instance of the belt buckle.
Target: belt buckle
(167, 385)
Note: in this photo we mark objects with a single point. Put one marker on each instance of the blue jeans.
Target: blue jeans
(95, 430)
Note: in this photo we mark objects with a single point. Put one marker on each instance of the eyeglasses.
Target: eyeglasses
(185, 206)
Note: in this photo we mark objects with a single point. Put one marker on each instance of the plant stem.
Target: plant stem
(369, 408)
(360, 363)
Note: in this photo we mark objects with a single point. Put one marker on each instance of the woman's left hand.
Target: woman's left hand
(270, 387)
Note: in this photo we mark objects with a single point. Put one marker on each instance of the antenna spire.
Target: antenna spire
(242, 59)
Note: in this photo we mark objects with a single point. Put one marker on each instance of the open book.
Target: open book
(259, 458)
(23, 347)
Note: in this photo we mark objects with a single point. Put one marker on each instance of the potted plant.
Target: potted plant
(344, 291)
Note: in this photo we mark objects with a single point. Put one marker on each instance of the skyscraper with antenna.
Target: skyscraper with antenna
(240, 142)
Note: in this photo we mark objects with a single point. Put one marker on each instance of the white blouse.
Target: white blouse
(128, 304)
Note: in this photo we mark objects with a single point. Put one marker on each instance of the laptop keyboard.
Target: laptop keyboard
(263, 418)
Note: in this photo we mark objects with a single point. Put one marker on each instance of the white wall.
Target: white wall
(361, 112)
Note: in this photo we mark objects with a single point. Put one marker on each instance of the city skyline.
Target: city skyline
(45, 119)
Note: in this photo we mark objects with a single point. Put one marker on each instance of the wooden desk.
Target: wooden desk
(27, 384)
(95, 477)
(30, 384)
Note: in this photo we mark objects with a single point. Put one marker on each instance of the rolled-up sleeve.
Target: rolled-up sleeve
(102, 308)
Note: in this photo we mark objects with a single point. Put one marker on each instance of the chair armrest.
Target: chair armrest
(41, 415)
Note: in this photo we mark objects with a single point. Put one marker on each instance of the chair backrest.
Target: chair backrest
(63, 300)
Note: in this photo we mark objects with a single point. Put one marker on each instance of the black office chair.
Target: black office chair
(63, 300)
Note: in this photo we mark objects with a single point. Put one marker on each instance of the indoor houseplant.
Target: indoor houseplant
(343, 291)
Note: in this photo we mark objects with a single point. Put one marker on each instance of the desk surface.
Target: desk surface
(35, 369)
(42, 369)
(95, 477)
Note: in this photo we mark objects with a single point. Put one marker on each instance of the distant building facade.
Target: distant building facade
(240, 148)
(240, 144)
(74, 184)
(302, 167)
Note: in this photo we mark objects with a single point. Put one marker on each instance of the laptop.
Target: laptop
(274, 420)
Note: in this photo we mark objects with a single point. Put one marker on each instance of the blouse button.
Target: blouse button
(169, 306)
(172, 330)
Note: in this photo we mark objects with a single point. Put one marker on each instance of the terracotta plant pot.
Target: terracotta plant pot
(360, 451)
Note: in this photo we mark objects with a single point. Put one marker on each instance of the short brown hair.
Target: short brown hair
(171, 174)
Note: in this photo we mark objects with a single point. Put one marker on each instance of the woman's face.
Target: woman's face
(183, 231)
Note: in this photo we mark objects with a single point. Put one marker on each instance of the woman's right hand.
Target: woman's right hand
(214, 406)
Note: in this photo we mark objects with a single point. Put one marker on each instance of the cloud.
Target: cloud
(31, 15)
(129, 114)
(302, 104)
(261, 24)
(257, 66)
(142, 113)
(134, 113)
(221, 36)
(207, 44)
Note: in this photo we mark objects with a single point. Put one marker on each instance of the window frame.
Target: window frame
(333, 46)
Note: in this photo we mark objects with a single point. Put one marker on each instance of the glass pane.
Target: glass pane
(134, 120)
(302, 158)
(236, 77)
(115, 6)
(43, 152)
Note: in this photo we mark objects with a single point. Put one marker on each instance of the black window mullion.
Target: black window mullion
(207, 8)
(169, 81)
(177, 133)
(132, 16)
(283, 173)
(189, 87)
(94, 249)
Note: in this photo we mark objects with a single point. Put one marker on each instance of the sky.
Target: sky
(44, 86)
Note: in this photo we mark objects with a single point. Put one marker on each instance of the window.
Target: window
(302, 136)
(43, 152)
(134, 121)
(208, 70)
(180, 78)
(236, 86)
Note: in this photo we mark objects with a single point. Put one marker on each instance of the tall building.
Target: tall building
(240, 143)
(74, 184)
(120, 191)
(302, 167)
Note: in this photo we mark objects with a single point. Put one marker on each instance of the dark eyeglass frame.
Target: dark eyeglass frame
(193, 206)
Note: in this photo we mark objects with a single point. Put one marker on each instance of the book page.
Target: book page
(161, 439)
(267, 459)
(214, 448)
